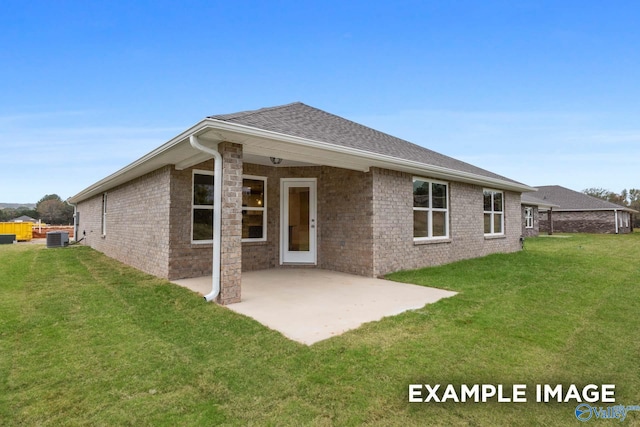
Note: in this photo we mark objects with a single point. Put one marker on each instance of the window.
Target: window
(104, 214)
(202, 207)
(493, 212)
(254, 208)
(528, 217)
(430, 209)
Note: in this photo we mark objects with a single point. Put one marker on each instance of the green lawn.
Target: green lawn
(85, 340)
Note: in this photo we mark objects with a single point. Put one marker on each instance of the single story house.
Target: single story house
(577, 212)
(295, 186)
(531, 206)
(24, 218)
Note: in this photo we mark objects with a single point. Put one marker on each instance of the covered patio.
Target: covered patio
(310, 305)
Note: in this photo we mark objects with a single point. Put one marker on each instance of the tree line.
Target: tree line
(50, 209)
(629, 198)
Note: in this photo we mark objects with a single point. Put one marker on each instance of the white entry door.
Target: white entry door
(298, 220)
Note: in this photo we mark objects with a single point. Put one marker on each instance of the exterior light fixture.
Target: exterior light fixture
(276, 160)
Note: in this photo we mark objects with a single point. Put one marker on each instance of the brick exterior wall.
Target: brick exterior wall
(230, 240)
(137, 231)
(195, 259)
(531, 232)
(344, 215)
(346, 243)
(365, 223)
(394, 248)
(585, 222)
(186, 259)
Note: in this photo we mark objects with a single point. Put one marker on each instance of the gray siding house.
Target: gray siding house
(580, 213)
(294, 186)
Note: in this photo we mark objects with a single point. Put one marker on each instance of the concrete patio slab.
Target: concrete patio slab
(310, 305)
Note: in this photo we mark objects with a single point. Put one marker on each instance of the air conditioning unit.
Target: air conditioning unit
(57, 239)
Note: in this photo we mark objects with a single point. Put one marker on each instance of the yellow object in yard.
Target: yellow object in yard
(22, 230)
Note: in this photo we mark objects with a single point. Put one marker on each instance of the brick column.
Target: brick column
(231, 233)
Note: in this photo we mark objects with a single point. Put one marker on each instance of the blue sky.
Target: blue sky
(541, 92)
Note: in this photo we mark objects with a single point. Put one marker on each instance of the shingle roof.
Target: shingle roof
(534, 199)
(567, 199)
(298, 119)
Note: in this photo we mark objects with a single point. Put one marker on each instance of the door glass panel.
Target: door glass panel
(299, 231)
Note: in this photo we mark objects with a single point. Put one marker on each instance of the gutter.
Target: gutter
(217, 215)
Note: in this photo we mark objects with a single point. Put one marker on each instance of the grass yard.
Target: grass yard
(85, 340)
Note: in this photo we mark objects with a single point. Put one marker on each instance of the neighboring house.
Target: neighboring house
(24, 218)
(293, 186)
(580, 213)
(531, 206)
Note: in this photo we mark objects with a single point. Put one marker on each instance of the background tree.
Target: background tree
(600, 193)
(7, 214)
(629, 198)
(53, 210)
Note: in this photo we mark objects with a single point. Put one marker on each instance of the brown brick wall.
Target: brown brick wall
(584, 222)
(347, 221)
(365, 223)
(230, 240)
(195, 259)
(394, 248)
(344, 219)
(137, 230)
(264, 255)
(186, 259)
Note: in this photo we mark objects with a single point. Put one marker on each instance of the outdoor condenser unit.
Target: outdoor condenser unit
(57, 239)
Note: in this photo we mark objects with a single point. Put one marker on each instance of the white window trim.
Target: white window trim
(104, 214)
(194, 206)
(492, 212)
(528, 216)
(263, 208)
(430, 236)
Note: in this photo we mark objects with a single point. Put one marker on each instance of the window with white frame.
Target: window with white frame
(528, 217)
(430, 209)
(254, 208)
(493, 212)
(104, 214)
(202, 207)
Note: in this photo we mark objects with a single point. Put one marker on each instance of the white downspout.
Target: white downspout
(615, 215)
(217, 215)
